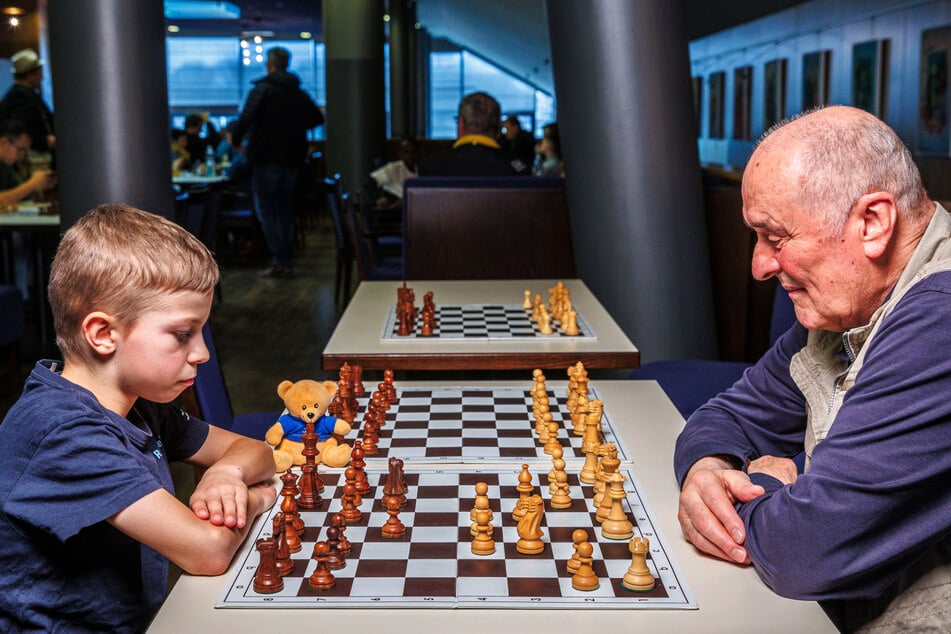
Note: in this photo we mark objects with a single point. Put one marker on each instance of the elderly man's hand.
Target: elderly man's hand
(707, 517)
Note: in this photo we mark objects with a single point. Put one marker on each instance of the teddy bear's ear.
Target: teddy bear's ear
(284, 387)
(331, 387)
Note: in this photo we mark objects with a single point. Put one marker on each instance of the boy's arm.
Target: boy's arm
(197, 546)
(233, 462)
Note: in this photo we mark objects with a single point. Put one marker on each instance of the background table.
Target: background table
(730, 598)
(357, 338)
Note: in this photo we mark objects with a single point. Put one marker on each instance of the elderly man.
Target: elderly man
(476, 151)
(860, 386)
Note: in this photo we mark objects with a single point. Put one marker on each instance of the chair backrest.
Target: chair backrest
(336, 213)
(211, 393)
(487, 228)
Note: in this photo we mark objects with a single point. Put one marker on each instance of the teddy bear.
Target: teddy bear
(307, 400)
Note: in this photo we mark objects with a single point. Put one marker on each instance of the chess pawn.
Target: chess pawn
(561, 499)
(577, 537)
(481, 504)
(544, 322)
(393, 528)
(571, 325)
(638, 577)
(542, 426)
(267, 578)
(337, 522)
(335, 558)
(527, 303)
(482, 543)
(321, 578)
(552, 443)
(585, 579)
(350, 513)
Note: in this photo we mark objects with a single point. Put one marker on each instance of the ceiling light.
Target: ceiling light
(172, 28)
(306, 35)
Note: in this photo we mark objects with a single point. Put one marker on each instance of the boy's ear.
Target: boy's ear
(98, 332)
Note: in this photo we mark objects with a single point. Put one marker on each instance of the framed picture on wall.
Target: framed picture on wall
(715, 93)
(815, 79)
(774, 93)
(869, 70)
(934, 136)
(742, 96)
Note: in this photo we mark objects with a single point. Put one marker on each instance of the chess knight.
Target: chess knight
(306, 401)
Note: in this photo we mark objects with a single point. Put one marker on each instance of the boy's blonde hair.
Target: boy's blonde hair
(122, 261)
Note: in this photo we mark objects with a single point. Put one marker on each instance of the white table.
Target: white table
(357, 337)
(729, 598)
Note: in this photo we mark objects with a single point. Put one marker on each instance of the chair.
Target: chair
(11, 325)
(345, 254)
(690, 383)
(457, 228)
(373, 263)
(214, 404)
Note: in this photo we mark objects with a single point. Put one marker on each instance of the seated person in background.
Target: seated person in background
(859, 386)
(385, 185)
(476, 151)
(89, 515)
(181, 158)
(549, 161)
(233, 159)
(198, 145)
(519, 144)
(14, 144)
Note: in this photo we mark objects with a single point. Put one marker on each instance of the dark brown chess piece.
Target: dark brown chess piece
(321, 578)
(335, 558)
(393, 528)
(289, 508)
(350, 513)
(309, 494)
(337, 522)
(358, 389)
(357, 462)
(283, 556)
(267, 578)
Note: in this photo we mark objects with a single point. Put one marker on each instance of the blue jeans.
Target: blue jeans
(275, 199)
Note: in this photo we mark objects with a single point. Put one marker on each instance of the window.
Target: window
(455, 74)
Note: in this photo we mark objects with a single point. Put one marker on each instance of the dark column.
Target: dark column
(402, 68)
(622, 81)
(107, 59)
(356, 112)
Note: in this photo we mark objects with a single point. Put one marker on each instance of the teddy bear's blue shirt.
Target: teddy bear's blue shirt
(294, 427)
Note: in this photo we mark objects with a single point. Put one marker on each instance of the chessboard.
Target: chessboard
(471, 425)
(432, 564)
(482, 321)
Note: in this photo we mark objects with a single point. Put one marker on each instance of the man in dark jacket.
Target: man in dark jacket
(476, 151)
(276, 118)
(24, 103)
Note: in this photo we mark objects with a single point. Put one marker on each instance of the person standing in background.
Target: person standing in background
(276, 118)
(24, 103)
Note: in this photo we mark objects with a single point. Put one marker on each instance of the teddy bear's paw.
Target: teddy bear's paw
(282, 460)
(338, 456)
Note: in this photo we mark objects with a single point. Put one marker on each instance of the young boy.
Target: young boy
(88, 518)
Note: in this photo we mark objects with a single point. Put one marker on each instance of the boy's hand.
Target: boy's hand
(223, 499)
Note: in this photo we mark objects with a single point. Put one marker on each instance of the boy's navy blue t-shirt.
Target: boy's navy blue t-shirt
(66, 465)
